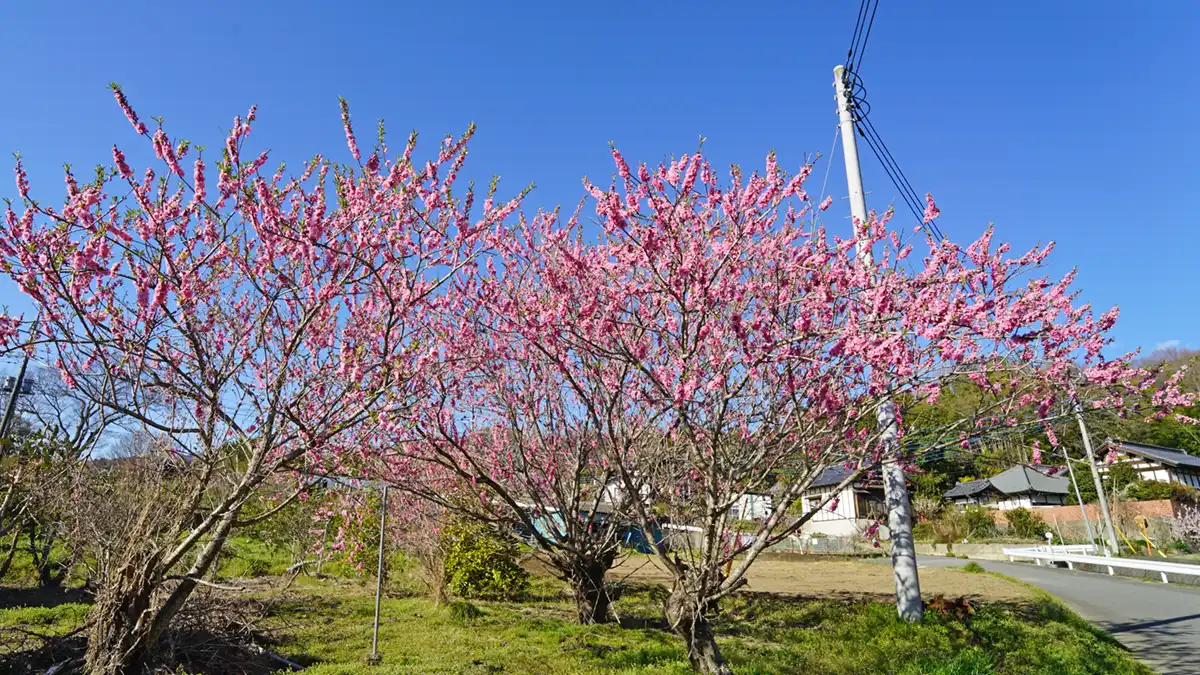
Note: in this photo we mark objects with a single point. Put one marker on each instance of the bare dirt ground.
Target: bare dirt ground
(845, 579)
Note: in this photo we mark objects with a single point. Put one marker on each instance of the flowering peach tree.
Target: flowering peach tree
(251, 316)
(714, 343)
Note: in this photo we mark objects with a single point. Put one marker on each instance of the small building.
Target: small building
(1155, 462)
(1022, 486)
(752, 506)
(848, 513)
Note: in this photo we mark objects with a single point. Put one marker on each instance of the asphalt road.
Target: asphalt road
(1159, 623)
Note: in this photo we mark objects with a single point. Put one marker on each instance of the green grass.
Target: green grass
(248, 558)
(327, 623)
(57, 620)
(330, 627)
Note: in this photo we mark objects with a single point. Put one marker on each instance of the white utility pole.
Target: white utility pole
(1110, 534)
(895, 490)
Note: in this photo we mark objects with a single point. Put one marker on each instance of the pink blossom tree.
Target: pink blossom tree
(721, 344)
(505, 440)
(250, 318)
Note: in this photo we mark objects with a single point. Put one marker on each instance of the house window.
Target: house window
(735, 512)
(812, 503)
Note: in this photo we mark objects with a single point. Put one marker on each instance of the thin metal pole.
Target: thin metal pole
(1079, 497)
(324, 543)
(1109, 530)
(10, 407)
(379, 576)
(904, 554)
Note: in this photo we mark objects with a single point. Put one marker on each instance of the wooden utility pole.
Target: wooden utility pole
(895, 490)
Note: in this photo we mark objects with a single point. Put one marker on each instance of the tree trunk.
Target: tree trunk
(591, 598)
(12, 550)
(120, 621)
(696, 630)
(126, 623)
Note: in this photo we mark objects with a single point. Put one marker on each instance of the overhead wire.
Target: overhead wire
(858, 22)
(861, 110)
(863, 48)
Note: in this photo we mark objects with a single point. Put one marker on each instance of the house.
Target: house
(854, 508)
(1022, 486)
(752, 506)
(1154, 462)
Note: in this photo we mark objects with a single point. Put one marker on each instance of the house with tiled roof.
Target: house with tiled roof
(859, 505)
(1022, 486)
(1155, 462)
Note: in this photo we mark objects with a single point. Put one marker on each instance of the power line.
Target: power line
(861, 110)
(858, 40)
(891, 167)
(863, 47)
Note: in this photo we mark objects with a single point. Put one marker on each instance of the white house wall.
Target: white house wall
(753, 507)
(845, 509)
(1149, 469)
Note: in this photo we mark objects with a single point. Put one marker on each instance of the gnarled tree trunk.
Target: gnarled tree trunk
(691, 623)
(591, 597)
(130, 612)
(121, 618)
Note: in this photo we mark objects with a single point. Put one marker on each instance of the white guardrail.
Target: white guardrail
(1078, 553)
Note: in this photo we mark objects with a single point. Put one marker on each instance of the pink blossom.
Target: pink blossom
(122, 166)
(128, 110)
(931, 209)
(350, 140)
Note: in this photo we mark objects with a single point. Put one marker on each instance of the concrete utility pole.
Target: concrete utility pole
(895, 490)
(1110, 533)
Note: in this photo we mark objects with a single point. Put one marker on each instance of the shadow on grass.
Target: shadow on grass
(41, 597)
(191, 651)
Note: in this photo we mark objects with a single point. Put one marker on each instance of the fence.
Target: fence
(1077, 555)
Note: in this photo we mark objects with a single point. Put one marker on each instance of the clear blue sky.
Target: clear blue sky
(1069, 121)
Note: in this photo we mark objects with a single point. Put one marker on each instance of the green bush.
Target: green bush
(1026, 524)
(481, 563)
(973, 568)
(461, 610)
(923, 531)
(1147, 490)
(979, 522)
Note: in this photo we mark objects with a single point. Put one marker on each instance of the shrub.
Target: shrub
(973, 568)
(481, 563)
(1026, 524)
(461, 610)
(1121, 475)
(923, 531)
(1156, 489)
(978, 522)
(1186, 527)
(950, 527)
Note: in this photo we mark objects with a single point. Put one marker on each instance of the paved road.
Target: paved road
(1159, 623)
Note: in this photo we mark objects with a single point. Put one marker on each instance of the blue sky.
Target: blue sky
(1064, 121)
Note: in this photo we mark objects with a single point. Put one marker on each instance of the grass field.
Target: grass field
(325, 624)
